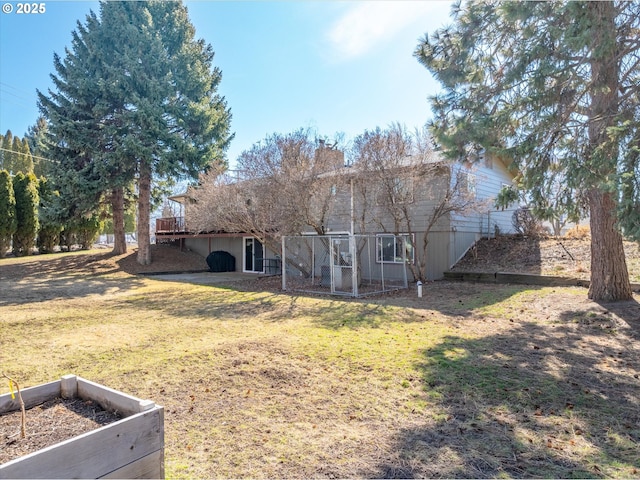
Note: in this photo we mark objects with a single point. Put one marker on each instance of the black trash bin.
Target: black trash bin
(221, 261)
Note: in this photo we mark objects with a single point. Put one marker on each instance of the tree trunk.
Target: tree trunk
(144, 208)
(609, 275)
(117, 205)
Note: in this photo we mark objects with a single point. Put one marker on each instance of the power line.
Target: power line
(22, 153)
(21, 98)
(14, 102)
(19, 90)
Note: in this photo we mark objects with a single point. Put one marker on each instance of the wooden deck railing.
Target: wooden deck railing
(170, 225)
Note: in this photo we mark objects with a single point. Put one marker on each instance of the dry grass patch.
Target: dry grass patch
(469, 381)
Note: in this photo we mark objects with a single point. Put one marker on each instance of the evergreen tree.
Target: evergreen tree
(7, 212)
(136, 100)
(48, 216)
(25, 188)
(129, 219)
(7, 152)
(23, 159)
(17, 156)
(37, 138)
(552, 88)
(86, 167)
(85, 230)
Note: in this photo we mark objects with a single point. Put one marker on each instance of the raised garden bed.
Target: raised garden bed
(130, 447)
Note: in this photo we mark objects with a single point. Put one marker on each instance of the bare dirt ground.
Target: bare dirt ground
(565, 257)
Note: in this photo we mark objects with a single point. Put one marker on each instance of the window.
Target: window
(467, 183)
(393, 248)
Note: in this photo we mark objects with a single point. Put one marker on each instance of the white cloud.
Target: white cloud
(368, 23)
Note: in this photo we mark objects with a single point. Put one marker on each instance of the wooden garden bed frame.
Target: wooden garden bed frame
(129, 448)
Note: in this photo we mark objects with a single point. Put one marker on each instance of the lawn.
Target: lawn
(469, 381)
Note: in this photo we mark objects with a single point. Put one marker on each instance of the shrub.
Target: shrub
(81, 231)
(25, 188)
(579, 232)
(525, 223)
(8, 222)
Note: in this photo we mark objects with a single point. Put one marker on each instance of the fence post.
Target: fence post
(284, 263)
(354, 265)
(405, 239)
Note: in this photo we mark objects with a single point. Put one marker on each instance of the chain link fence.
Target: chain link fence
(349, 265)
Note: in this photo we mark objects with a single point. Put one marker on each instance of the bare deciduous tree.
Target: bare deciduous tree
(403, 186)
(283, 187)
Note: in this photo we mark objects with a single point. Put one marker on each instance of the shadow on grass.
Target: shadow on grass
(457, 300)
(453, 299)
(536, 401)
(41, 278)
(227, 302)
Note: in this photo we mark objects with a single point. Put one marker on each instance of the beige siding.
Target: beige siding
(449, 239)
(234, 245)
(204, 246)
(451, 236)
(438, 254)
(488, 182)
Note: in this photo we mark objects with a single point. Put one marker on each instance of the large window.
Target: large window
(393, 248)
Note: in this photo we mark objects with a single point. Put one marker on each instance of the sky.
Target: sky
(337, 67)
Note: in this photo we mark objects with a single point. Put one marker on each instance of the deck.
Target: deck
(170, 225)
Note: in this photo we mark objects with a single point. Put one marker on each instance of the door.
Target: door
(342, 265)
(253, 255)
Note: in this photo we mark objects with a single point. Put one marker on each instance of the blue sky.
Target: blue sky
(336, 67)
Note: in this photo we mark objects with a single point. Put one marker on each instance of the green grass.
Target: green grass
(479, 381)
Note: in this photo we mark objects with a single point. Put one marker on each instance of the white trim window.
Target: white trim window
(390, 248)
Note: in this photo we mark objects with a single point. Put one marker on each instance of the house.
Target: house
(402, 198)
(251, 255)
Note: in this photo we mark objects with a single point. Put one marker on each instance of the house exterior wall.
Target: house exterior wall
(451, 237)
(204, 246)
(489, 178)
(233, 245)
(425, 193)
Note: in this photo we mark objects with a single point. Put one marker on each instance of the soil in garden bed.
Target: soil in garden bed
(52, 422)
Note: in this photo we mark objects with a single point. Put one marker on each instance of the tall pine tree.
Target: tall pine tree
(50, 225)
(37, 139)
(86, 167)
(136, 101)
(552, 88)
